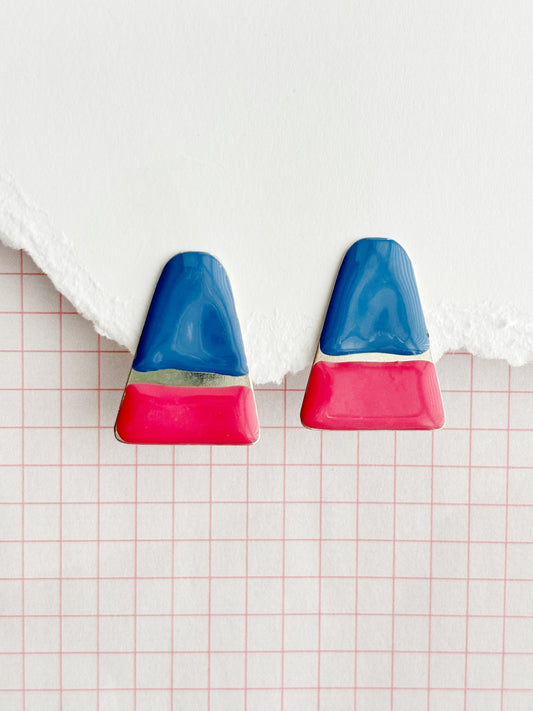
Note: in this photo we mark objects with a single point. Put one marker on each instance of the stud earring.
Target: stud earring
(373, 368)
(189, 382)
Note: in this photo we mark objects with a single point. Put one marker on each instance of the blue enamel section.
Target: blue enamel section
(192, 323)
(375, 306)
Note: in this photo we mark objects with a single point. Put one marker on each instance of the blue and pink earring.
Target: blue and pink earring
(189, 382)
(373, 368)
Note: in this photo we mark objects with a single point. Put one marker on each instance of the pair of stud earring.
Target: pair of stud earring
(189, 382)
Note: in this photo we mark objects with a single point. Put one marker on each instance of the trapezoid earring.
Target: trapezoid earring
(189, 382)
(373, 368)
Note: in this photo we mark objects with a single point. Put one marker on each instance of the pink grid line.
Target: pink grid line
(98, 519)
(22, 481)
(284, 552)
(184, 502)
(210, 579)
(275, 591)
(320, 577)
(356, 616)
(61, 498)
(246, 575)
(135, 580)
(173, 577)
(468, 536)
(266, 614)
(393, 582)
(506, 538)
(276, 651)
(430, 576)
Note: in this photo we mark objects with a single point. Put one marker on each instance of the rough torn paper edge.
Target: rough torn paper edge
(276, 344)
(25, 226)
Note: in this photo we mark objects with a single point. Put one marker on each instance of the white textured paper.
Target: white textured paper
(273, 135)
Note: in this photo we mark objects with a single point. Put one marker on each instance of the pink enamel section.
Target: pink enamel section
(164, 414)
(373, 396)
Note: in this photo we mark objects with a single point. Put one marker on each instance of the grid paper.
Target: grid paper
(326, 571)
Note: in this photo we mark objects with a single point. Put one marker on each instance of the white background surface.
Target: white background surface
(273, 135)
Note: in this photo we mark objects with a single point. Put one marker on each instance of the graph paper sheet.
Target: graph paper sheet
(327, 571)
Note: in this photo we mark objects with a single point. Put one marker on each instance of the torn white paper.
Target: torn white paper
(273, 136)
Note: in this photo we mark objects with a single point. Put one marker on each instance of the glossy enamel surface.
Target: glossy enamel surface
(375, 305)
(192, 323)
(161, 414)
(361, 396)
